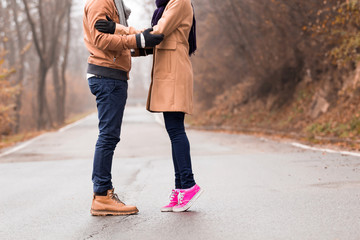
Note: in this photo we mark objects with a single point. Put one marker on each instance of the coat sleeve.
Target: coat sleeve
(106, 41)
(171, 18)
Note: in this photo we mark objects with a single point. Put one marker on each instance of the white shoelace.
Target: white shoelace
(172, 195)
(180, 197)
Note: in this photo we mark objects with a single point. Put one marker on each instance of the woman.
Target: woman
(171, 91)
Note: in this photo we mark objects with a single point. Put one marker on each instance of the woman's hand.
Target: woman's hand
(106, 26)
(151, 40)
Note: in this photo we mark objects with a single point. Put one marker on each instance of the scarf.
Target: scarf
(124, 12)
(161, 5)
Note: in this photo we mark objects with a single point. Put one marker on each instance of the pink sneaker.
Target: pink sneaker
(187, 198)
(173, 201)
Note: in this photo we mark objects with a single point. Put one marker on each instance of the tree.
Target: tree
(20, 56)
(46, 30)
(60, 64)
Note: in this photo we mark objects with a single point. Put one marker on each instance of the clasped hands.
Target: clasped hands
(151, 40)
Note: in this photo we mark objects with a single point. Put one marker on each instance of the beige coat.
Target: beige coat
(171, 88)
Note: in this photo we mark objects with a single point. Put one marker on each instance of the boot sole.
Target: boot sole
(190, 203)
(111, 213)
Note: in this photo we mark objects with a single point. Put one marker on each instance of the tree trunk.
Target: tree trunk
(59, 78)
(64, 63)
(20, 70)
(58, 92)
(41, 95)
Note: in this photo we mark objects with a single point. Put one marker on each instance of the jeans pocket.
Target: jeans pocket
(93, 85)
(104, 90)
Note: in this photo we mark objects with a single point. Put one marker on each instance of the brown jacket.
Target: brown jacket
(171, 86)
(107, 51)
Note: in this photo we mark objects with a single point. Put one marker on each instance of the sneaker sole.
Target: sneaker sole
(190, 203)
(166, 209)
(111, 213)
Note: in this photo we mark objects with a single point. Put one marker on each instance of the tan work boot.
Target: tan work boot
(110, 205)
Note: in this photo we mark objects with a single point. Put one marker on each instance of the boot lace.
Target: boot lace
(115, 197)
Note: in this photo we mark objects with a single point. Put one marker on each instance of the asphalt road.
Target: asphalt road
(254, 188)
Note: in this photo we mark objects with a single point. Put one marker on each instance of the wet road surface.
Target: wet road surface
(254, 188)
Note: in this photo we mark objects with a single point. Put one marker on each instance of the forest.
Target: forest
(279, 67)
(41, 65)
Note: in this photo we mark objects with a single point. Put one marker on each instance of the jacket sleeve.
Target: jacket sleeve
(171, 18)
(123, 30)
(106, 41)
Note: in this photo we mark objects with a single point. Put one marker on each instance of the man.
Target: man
(108, 71)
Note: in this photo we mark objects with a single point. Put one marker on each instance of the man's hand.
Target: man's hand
(151, 40)
(105, 26)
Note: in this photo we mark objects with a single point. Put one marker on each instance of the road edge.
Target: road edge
(20, 145)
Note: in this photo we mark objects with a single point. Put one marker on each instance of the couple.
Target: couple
(111, 43)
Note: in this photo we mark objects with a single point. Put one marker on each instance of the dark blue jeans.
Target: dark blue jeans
(174, 123)
(111, 95)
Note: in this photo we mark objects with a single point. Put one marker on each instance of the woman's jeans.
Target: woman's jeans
(174, 123)
(111, 95)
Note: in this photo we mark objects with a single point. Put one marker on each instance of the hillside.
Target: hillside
(279, 67)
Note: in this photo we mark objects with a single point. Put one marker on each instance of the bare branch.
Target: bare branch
(33, 30)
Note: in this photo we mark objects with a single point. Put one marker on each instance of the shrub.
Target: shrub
(7, 93)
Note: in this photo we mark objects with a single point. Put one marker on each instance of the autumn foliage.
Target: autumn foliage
(338, 27)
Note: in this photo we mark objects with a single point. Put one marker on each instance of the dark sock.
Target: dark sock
(101, 193)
